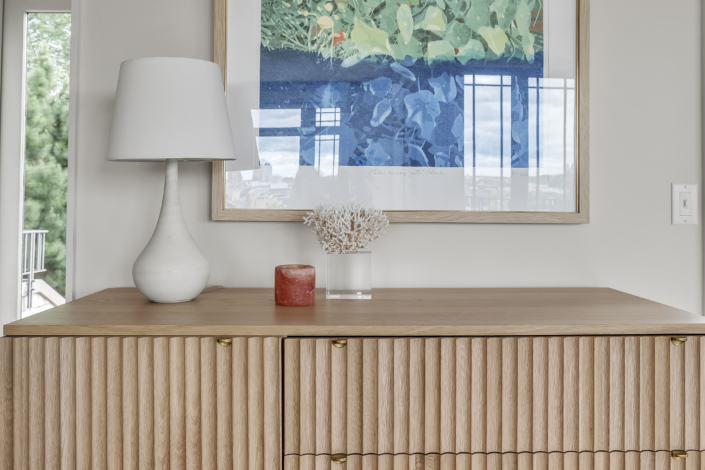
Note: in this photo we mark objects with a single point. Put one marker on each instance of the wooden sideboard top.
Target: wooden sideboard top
(391, 312)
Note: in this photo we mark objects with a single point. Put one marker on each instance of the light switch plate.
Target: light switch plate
(684, 204)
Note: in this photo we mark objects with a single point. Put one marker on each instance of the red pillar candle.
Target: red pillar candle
(295, 284)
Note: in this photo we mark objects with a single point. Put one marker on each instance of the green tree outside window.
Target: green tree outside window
(46, 137)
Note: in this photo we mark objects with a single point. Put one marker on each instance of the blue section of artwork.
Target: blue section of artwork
(392, 114)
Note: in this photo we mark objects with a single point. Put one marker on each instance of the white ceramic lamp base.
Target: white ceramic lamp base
(171, 268)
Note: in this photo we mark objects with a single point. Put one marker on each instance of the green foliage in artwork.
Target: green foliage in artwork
(472, 50)
(357, 30)
(369, 39)
(46, 137)
(478, 16)
(439, 50)
(495, 38)
(405, 20)
(433, 20)
(505, 11)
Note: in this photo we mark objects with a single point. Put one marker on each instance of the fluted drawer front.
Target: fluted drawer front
(483, 395)
(147, 403)
(540, 461)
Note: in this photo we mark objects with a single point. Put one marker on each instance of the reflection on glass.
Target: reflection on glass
(327, 154)
(270, 185)
(517, 139)
(269, 118)
(488, 127)
(523, 157)
(281, 152)
(326, 117)
(551, 144)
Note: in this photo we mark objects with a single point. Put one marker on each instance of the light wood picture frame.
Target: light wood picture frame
(581, 140)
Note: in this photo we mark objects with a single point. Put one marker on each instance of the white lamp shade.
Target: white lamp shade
(170, 108)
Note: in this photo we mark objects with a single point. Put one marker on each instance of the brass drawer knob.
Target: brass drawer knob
(678, 340)
(225, 342)
(340, 343)
(679, 454)
(339, 458)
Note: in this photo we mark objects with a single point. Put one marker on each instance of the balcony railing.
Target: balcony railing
(33, 244)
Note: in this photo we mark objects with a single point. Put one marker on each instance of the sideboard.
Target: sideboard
(415, 379)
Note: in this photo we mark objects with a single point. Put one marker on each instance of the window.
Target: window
(46, 158)
(34, 180)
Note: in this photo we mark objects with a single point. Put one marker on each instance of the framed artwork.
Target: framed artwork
(431, 110)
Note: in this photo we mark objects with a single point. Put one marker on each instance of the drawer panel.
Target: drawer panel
(148, 402)
(484, 395)
(554, 461)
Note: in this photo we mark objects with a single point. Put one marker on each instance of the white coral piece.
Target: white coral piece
(346, 228)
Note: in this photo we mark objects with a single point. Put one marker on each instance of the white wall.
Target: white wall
(645, 134)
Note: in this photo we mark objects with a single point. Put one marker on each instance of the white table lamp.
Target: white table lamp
(170, 109)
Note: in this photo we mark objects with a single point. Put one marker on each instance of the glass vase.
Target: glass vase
(349, 275)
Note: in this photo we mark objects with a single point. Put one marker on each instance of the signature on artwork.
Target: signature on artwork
(408, 174)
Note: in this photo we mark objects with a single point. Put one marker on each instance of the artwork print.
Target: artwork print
(426, 104)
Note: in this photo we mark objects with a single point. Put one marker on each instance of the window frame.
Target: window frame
(13, 77)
